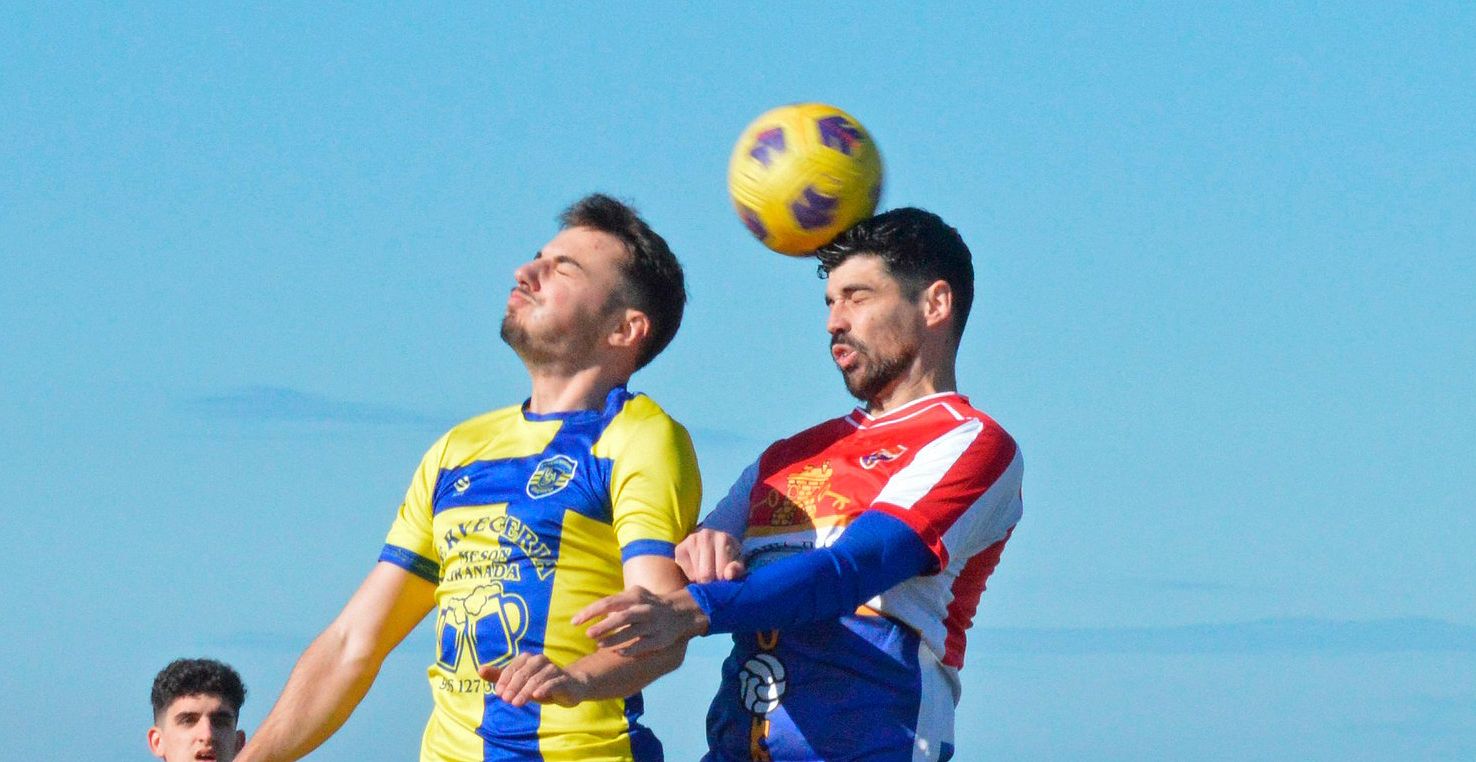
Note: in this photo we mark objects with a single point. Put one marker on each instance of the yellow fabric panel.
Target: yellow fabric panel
(491, 436)
(655, 487)
(500, 434)
(589, 569)
(448, 743)
(411, 529)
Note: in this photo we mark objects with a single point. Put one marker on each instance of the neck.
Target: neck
(917, 384)
(565, 391)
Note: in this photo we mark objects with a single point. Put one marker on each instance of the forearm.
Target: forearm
(875, 553)
(605, 674)
(329, 680)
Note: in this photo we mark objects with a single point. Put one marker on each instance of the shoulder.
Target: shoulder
(480, 426)
(473, 432)
(809, 441)
(642, 420)
(958, 415)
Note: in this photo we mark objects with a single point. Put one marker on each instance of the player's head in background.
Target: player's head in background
(899, 287)
(196, 705)
(606, 290)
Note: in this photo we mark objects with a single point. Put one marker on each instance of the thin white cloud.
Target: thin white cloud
(1263, 636)
(283, 404)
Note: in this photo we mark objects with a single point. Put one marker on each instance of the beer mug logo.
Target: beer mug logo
(487, 622)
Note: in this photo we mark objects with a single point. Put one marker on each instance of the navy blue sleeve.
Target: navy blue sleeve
(875, 553)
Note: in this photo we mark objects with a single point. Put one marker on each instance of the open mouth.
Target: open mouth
(205, 754)
(844, 355)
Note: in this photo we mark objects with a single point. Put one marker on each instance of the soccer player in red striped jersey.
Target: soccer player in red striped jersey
(847, 562)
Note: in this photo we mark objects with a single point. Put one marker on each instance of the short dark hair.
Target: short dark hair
(190, 677)
(918, 248)
(653, 277)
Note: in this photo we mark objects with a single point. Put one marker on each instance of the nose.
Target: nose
(837, 322)
(527, 274)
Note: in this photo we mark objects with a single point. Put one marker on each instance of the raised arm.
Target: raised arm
(336, 671)
(876, 552)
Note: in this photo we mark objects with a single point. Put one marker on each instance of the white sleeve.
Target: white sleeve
(731, 513)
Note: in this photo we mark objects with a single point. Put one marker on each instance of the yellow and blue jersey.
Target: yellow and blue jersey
(522, 520)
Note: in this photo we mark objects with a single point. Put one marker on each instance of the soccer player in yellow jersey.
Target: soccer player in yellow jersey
(518, 518)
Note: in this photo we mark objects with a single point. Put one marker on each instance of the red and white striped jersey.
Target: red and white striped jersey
(939, 465)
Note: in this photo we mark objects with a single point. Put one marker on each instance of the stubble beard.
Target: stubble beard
(563, 349)
(874, 373)
(532, 350)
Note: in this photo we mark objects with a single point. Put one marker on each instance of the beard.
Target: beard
(548, 348)
(530, 349)
(874, 372)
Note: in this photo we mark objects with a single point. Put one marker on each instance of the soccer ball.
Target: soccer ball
(803, 173)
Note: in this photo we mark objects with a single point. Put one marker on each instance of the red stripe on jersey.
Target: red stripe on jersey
(969, 476)
(967, 590)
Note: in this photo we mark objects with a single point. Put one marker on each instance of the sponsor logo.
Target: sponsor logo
(486, 623)
(883, 455)
(462, 485)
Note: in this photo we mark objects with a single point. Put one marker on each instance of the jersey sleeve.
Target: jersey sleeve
(962, 489)
(655, 489)
(410, 544)
(731, 513)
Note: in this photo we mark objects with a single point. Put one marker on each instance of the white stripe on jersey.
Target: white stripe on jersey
(922, 602)
(928, 467)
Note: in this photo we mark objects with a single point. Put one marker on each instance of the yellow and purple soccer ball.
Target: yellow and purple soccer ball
(803, 173)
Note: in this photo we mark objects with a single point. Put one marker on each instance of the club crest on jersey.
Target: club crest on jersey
(883, 455)
(801, 501)
(551, 475)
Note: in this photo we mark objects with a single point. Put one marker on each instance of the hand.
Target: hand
(638, 621)
(708, 555)
(532, 677)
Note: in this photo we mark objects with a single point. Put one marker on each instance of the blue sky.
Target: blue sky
(252, 261)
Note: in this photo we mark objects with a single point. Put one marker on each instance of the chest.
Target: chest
(806, 494)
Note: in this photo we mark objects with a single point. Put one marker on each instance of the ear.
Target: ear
(156, 742)
(240, 740)
(631, 330)
(937, 303)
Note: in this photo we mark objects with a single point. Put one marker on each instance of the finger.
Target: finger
(683, 558)
(635, 632)
(490, 673)
(546, 672)
(645, 645)
(604, 606)
(508, 678)
(611, 623)
(516, 675)
(704, 560)
(732, 549)
(733, 570)
(557, 691)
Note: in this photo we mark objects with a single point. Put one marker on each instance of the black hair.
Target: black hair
(654, 283)
(189, 677)
(918, 248)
